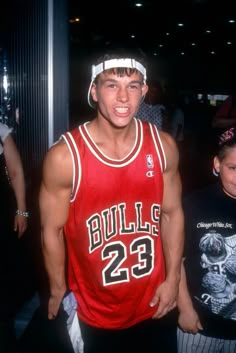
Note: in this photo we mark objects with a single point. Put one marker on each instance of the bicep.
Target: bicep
(54, 206)
(171, 177)
(55, 190)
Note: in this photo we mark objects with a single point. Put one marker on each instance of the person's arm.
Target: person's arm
(223, 122)
(16, 175)
(172, 232)
(54, 201)
(188, 317)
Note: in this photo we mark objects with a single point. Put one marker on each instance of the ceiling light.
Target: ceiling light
(73, 20)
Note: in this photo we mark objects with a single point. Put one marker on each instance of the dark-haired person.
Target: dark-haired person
(152, 108)
(111, 190)
(207, 295)
(225, 116)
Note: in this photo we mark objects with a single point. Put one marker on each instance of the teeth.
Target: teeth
(121, 110)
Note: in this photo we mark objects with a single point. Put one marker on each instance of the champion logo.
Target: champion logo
(150, 173)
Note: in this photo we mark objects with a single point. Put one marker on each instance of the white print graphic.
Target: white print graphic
(150, 173)
(106, 231)
(115, 273)
(219, 258)
(113, 221)
(214, 225)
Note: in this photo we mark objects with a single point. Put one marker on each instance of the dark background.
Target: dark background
(104, 24)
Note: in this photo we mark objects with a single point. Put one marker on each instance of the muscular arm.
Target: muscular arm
(54, 203)
(16, 175)
(172, 229)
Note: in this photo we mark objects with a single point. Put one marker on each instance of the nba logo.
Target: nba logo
(149, 160)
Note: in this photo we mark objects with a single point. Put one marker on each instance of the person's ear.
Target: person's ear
(93, 92)
(144, 90)
(216, 165)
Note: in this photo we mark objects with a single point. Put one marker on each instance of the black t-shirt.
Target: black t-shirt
(210, 251)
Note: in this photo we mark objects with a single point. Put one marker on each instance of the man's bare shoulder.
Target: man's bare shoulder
(167, 140)
(58, 162)
(170, 148)
(58, 152)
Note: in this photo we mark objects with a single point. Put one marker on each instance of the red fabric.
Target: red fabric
(113, 232)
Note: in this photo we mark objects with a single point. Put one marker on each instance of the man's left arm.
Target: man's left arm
(172, 230)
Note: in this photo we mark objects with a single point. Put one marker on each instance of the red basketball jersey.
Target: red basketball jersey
(115, 261)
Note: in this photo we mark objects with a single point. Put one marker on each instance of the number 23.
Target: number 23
(117, 251)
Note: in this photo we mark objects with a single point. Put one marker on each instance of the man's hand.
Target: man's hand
(165, 297)
(54, 304)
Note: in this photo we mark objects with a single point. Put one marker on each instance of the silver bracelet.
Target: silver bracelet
(22, 213)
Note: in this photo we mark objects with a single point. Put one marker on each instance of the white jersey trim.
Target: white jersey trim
(163, 167)
(111, 164)
(75, 181)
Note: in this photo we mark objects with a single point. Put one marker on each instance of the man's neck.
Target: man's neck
(115, 143)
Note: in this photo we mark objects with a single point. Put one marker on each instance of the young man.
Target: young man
(111, 190)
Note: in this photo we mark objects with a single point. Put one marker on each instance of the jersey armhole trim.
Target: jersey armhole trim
(158, 146)
(69, 139)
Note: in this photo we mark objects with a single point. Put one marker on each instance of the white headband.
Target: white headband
(113, 63)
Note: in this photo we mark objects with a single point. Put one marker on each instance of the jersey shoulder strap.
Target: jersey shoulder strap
(70, 139)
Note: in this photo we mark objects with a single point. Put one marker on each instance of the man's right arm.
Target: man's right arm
(54, 203)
